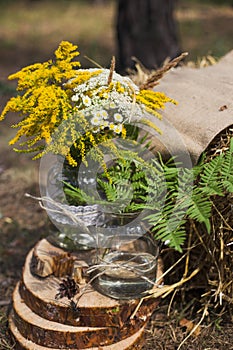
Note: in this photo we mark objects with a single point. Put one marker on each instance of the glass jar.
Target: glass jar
(128, 269)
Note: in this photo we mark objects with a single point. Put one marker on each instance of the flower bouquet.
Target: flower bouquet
(98, 174)
(79, 114)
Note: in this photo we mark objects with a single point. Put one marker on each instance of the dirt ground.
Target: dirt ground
(23, 223)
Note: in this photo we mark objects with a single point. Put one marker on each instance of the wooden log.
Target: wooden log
(90, 308)
(48, 259)
(134, 342)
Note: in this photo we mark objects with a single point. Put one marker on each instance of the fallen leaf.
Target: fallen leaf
(190, 326)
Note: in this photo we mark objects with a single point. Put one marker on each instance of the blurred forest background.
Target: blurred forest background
(30, 31)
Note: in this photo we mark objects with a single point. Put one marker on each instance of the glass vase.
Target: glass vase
(75, 225)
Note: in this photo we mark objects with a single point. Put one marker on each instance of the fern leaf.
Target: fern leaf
(78, 196)
(175, 239)
(200, 208)
(168, 224)
(139, 175)
(170, 231)
(209, 178)
(228, 184)
(213, 189)
(227, 166)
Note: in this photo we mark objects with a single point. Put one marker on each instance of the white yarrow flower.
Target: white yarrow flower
(86, 101)
(75, 97)
(95, 120)
(104, 114)
(111, 126)
(97, 114)
(118, 129)
(105, 124)
(112, 105)
(95, 130)
(118, 117)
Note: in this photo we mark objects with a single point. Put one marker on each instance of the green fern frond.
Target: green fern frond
(77, 196)
(209, 178)
(114, 192)
(168, 193)
(173, 238)
(139, 175)
(227, 165)
(200, 208)
(228, 184)
(168, 225)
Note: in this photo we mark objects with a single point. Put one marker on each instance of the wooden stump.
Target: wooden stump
(40, 320)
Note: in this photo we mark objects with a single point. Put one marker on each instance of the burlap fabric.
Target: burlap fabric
(205, 108)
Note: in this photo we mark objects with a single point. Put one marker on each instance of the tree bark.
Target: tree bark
(146, 29)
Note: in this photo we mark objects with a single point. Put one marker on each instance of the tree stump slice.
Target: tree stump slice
(90, 321)
(134, 342)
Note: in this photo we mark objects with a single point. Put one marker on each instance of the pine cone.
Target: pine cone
(67, 288)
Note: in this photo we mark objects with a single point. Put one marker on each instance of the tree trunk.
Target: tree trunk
(146, 29)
